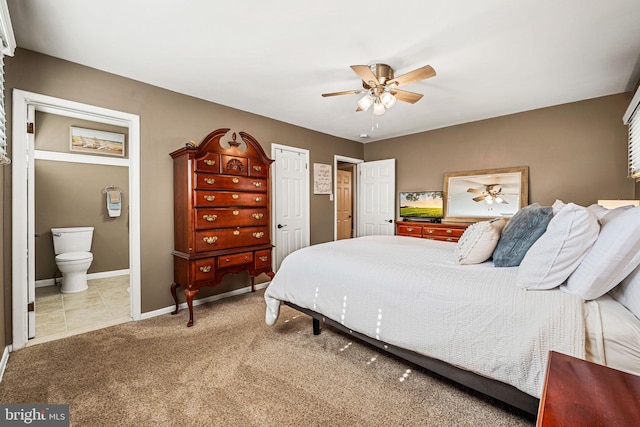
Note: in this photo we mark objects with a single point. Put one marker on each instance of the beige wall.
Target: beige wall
(575, 152)
(167, 120)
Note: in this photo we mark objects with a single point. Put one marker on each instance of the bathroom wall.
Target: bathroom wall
(73, 194)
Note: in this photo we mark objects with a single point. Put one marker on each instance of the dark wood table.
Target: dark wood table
(581, 393)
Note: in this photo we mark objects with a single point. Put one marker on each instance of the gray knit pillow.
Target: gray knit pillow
(520, 233)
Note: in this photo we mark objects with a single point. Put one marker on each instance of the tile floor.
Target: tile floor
(105, 303)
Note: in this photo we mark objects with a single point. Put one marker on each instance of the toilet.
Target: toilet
(72, 246)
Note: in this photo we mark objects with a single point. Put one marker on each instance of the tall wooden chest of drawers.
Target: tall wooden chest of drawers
(221, 213)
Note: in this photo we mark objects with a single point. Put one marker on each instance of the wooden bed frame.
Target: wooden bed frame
(490, 387)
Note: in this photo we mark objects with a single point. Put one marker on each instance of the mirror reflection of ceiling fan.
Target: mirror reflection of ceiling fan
(381, 87)
(491, 193)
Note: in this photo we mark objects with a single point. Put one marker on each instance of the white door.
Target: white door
(376, 197)
(290, 200)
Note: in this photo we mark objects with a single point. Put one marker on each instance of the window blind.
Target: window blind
(632, 118)
(8, 46)
(4, 158)
(634, 145)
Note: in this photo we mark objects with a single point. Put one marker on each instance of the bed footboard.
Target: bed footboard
(490, 387)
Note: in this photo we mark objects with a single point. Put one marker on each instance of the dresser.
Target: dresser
(448, 232)
(221, 213)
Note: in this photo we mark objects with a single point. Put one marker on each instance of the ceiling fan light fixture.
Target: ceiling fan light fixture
(378, 108)
(388, 100)
(365, 102)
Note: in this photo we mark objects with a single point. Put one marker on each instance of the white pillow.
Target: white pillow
(558, 252)
(557, 206)
(605, 214)
(478, 241)
(614, 255)
(627, 293)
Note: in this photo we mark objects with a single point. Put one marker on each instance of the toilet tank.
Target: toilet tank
(72, 239)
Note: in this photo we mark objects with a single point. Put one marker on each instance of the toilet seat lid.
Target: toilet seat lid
(74, 256)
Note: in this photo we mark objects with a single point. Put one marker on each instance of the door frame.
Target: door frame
(20, 209)
(274, 193)
(355, 194)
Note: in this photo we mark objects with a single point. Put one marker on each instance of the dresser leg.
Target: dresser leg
(190, 294)
(253, 281)
(174, 287)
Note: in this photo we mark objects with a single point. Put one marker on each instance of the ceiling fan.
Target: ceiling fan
(381, 87)
(491, 193)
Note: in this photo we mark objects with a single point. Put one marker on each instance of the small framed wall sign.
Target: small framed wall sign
(321, 178)
(97, 142)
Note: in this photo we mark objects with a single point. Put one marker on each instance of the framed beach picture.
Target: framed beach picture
(97, 142)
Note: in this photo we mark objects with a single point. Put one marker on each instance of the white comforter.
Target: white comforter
(410, 293)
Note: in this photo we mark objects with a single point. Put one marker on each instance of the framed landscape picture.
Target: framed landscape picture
(97, 142)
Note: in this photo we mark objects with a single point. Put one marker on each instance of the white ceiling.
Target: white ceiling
(275, 58)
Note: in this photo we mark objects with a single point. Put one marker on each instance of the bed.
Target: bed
(470, 323)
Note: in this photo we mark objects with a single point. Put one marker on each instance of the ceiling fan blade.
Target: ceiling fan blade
(475, 190)
(346, 92)
(403, 95)
(366, 75)
(413, 76)
(478, 199)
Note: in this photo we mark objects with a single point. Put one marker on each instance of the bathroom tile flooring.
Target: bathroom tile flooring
(58, 315)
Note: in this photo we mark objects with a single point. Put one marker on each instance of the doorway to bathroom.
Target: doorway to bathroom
(60, 183)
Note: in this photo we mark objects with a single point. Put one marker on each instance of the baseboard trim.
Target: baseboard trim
(4, 360)
(105, 274)
(100, 275)
(182, 306)
(45, 282)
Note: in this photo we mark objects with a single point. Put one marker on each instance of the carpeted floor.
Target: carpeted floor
(230, 369)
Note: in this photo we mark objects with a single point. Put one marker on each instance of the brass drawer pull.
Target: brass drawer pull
(234, 196)
(210, 180)
(430, 231)
(449, 231)
(236, 232)
(449, 239)
(227, 260)
(209, 198)
(257, 215)
(257, 168)
(246, 258)
(257, 184)
(205, 269)
(210, 162)
(235, 180)
(263, 258)
(258, 234)
(410, 229)
(236, 212)
(258, 199)
(210, 218)
(210, 239)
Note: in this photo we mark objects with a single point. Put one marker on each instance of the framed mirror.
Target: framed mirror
(484, 194)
